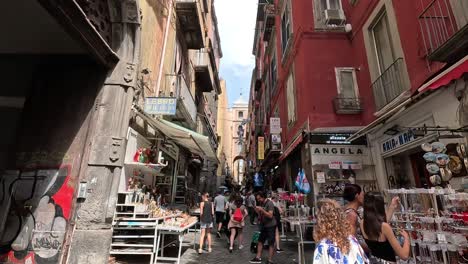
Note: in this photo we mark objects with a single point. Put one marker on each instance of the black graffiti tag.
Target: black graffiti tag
(48, 243)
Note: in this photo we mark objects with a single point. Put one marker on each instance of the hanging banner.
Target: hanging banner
(275, 125)
(261, 148)
(160, 105)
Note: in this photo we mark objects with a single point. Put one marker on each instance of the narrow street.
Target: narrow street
(220, 253)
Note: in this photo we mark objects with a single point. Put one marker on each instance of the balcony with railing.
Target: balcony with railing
(389, 85)
(444, 29)
(206, 75)
(348, 105)
(190, 16)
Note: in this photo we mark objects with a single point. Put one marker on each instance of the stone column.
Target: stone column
(92, 235)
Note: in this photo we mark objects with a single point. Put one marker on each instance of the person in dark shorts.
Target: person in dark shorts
(220, 209)
(206, 221)
(267, 227)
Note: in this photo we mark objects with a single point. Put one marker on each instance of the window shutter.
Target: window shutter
(347, 89)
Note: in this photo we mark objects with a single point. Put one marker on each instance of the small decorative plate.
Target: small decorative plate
(455, 164)
(442, 159)
(438, 147)
(435, 180)
(430, 156)
(432, 168)
(445, 174)
(426, 147)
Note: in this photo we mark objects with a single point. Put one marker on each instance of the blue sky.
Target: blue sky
(236, 22)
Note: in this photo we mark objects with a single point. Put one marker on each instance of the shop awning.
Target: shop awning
(456, 71)
(291, 147)
(194, 142)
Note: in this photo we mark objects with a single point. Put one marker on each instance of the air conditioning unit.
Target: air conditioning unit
(334, 17)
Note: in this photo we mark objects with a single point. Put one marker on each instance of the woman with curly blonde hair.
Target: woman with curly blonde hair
(337, 245)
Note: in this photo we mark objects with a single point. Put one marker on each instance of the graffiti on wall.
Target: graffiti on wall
(37, 210)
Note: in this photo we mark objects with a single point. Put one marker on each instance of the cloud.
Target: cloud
(236, 22)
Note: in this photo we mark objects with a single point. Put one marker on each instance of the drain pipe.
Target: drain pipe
(163, 54)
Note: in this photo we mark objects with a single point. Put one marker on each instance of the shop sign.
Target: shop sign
(275, 142)
(276, 139)
(335, 139)
(261, 148)
(351, 165)
(334, 165)
(321, 177)
(275, 125)
(397, 141)
(160, 105)
(338, 151)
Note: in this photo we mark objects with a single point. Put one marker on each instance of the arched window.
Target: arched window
(240, 114)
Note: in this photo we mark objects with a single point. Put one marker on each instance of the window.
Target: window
(346, 83)
(291, 99)
(389, 75)
(286, 29)
(240, 114)
(329, 14)
(384, 52)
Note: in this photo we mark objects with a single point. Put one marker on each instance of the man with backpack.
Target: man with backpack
(267, 227)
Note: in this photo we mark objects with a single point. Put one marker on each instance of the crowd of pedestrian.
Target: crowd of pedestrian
(356, 233)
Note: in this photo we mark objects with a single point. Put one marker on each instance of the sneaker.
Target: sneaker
(200, 251)
(256, 260)
(230, 250)
(279, 250)
(218, 234)
(209, 250)
(241, 247)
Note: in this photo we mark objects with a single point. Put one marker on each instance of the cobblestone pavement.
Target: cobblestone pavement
(220, 252)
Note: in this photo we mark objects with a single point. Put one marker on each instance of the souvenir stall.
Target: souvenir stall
(149, 169)
(336, 162)
(144, 195)
(179, 227)
(436, 218)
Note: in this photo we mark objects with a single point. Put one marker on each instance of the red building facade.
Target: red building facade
(333, 67)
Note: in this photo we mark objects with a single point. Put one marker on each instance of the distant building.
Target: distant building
(236, 115)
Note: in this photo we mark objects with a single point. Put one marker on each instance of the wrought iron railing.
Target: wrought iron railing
(389, 85)
(348, 105)
(438, 24)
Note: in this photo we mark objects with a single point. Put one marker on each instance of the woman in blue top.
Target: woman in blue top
(337, 245)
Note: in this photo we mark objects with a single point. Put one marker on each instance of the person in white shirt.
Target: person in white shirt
(220, 209)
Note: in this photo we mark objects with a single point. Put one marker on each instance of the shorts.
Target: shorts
(267, 234)
(219, 217)
(206, 225)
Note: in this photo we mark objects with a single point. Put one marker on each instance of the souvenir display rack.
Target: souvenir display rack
(437, 223)
(332, 183)
(178, 226)
(139, 222)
